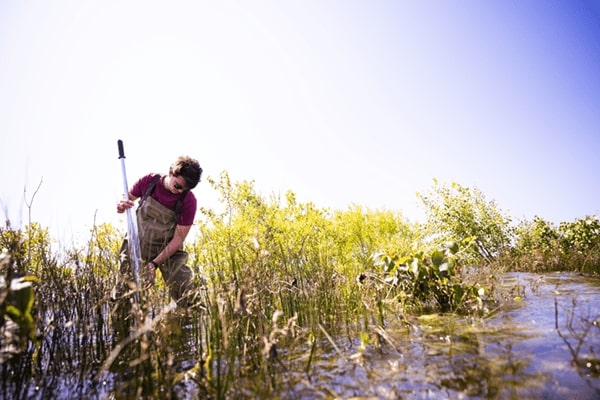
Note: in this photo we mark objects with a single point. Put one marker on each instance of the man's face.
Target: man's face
(176, 184)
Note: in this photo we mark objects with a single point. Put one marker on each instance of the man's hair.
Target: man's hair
(189, 168)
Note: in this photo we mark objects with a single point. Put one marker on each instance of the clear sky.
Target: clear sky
(343, 102)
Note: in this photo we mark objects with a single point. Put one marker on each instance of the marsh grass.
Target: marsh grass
(280, 285)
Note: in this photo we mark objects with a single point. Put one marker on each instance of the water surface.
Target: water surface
(545, 344)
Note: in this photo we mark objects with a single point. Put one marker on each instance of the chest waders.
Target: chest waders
(156, 227)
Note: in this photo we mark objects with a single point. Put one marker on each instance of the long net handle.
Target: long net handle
(134, 242)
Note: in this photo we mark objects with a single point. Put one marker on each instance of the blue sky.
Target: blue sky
(342, 102)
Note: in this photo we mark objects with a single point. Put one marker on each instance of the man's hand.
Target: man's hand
(124, 205)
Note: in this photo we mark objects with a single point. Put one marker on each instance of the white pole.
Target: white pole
(133, 240)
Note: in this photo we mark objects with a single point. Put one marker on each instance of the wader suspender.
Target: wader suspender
(178, 205)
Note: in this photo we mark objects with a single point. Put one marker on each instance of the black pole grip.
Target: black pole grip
(121, 150)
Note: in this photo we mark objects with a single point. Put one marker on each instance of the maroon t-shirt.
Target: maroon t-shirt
(167, 199)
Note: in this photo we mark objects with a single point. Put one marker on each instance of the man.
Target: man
(165, 215)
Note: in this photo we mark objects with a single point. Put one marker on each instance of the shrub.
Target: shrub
(459, 213)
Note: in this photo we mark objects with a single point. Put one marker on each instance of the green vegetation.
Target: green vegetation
(461, 213)
(570, 246)
(277, 277)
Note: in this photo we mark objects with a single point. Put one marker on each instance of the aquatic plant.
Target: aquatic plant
(17, 322)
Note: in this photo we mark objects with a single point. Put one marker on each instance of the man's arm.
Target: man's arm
(175, 244)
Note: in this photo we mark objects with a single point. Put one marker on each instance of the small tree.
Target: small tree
(462, 213)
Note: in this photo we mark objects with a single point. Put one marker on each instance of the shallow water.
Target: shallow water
(544, 344)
